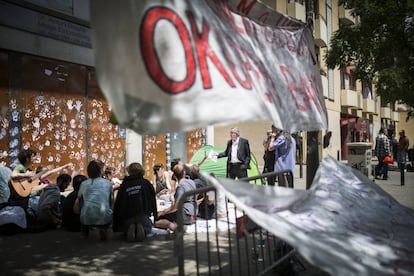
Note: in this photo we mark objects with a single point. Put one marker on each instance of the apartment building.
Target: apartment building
(355, 112)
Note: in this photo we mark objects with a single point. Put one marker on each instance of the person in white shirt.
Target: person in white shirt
(238, 155)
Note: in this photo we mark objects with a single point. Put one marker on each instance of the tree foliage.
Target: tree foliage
(112, 118)
(380, 46)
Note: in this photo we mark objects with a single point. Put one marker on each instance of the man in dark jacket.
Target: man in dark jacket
(238, 155)
(134, 205)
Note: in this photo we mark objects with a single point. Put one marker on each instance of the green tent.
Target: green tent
(218, 167)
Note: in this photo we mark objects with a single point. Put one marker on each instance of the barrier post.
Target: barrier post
(402, 173)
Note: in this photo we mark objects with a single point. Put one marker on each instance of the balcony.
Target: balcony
(368, 106)
(321, 33)
(360, 101)
(345, 16)
(297, 10)
(395, 116)
(325, 87)
(357, 113)
(385, 113)
(349, 98)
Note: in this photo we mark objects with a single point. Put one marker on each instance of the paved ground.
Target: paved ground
(62, 253)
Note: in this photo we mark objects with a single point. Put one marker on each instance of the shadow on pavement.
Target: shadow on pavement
(57, 252)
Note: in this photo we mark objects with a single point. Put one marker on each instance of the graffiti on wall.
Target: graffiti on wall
(4, 128)
(195, 140)
(105, 143)
(154, 150)
(56, 127)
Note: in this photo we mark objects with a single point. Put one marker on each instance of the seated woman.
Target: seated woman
(95, 200)
(134, 205)
(110, 175)
(161, 180)
(167, 218)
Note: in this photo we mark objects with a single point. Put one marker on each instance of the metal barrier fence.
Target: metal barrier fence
(232, 245)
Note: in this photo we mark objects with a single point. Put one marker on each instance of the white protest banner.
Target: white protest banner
(345, 224)
(178, 65)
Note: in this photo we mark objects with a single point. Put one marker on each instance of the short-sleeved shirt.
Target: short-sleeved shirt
(94, 198)
(14, 196)
(20, 168)
(186, 185)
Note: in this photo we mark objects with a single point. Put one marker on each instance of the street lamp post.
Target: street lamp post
(312, 154)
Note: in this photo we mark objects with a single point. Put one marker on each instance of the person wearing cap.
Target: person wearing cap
(403, 144)
(238, 155)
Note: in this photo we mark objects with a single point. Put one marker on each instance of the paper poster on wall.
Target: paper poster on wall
(178, 146)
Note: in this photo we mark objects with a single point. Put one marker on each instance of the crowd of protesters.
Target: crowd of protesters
(134, 205)
(31, 202)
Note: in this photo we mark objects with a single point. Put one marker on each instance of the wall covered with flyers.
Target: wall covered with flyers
(57, 109)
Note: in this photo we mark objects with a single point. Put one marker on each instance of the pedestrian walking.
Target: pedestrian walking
(382, 149)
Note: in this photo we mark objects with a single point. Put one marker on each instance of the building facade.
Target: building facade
(47, 80)
(355, 111)
(51, 101)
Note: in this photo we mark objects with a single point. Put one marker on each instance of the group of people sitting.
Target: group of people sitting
(30, 202)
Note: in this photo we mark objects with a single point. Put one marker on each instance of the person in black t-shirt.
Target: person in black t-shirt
(134, 205)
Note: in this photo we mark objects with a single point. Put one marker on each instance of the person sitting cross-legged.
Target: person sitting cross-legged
(95, 201)
(167, 218)
(49, 211)
(134, 205)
